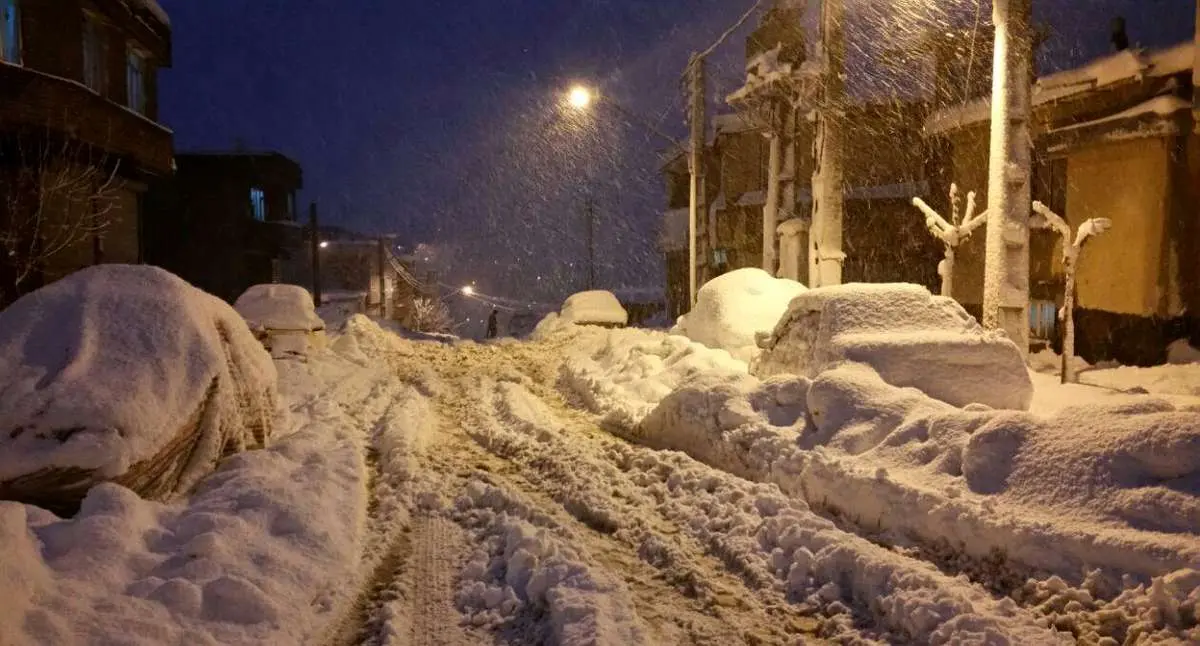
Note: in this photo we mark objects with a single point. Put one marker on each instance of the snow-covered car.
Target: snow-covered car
(125, 374)
(596, 307)
(283, 318)
(909, 336)
(734, 309)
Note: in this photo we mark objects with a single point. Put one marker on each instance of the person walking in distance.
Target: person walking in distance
(491, 328)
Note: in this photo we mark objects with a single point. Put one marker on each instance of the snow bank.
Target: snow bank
(264, 552)
(909, 336)
(279, 307)
(597, 307)
(520, 568)
(623, 374)
(734, 308)
(129, 374)
(1181, 352)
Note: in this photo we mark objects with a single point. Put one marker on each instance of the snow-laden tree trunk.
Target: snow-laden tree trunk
(825, 256)
(770, 220)
(1071, 251)
(1006, 263)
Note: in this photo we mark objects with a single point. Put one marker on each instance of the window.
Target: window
(10, 31)
(258, 204)
(1043, 315)
(95, 55)
(135, 80)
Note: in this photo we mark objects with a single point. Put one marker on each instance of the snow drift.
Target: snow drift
(909, 336)
(129, 374)
(734, 308)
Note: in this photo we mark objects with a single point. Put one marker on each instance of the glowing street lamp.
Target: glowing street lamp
(579, 97)
(467, 290)
(324, 244)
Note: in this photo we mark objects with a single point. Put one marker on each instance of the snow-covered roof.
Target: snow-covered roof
(1162, 106)
(1125, 66)
(153, 7)
(752, 198)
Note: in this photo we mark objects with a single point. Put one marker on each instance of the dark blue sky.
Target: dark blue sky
(437, 120)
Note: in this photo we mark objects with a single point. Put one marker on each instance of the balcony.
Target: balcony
(32, 100)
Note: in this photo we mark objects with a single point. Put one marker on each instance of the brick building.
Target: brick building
(79, 133)
(226, 220)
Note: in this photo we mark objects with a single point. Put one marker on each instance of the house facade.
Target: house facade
(80, 139)
(1115, 138)
(226, 220)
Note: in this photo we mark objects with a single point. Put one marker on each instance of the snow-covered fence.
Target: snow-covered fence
(1071, 249)
(953, 232)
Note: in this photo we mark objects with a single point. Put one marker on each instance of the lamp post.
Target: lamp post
(580, 98)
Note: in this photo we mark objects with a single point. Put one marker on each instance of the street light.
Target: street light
(579, 97)
(324, 244)
(467, 290)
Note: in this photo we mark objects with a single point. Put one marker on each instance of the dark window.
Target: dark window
(10, 31)
(95, 55)
(258, 204)
(135, 80)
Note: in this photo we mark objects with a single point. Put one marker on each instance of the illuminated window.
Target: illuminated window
(10, 31)
(1043, 316)
(258, 204)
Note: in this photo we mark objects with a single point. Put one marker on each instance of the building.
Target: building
(226, 220)
(79, 134)
(1115, 138)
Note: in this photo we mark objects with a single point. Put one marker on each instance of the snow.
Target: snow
(595, 307)
(733, 309)
(278, 307)
(127, 373)
(153, 7)
(909, 336)
(1181, 352)
(1162, 106)
(266, 550)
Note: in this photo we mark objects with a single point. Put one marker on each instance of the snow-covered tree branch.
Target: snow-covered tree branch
(951, 232)
(430, 316)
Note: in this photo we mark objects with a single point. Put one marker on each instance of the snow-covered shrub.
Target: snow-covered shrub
(430, 316)
(128, 374)
(597, 307)
(733, 309)
(909, 336)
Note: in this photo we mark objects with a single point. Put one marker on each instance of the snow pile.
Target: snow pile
(910, 337)
(125, 373)
(1181, 352)
(596, 307)
(770, 540)
(279, 307)
(1103, 487)
(264, 551)
(733, 309)
(519, 568)
(624, 373)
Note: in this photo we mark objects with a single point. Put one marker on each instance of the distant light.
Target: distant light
(580, 97)
(468, 290)
(324, 244)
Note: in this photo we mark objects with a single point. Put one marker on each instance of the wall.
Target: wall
(1123, 272)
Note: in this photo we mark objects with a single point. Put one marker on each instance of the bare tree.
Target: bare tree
(430, 316)
(1071, 249)
(951, 232)
(55, 196)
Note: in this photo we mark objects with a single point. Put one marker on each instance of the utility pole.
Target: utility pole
(825, 255)
(698, 121)
(382, 248)
(1196, 73)
(770, 223)
(589, 210)
(315, 248)
(1006, 263)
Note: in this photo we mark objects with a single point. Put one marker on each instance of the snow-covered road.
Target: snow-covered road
(499, 509)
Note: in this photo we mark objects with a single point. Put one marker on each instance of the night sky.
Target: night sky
(439, 121)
